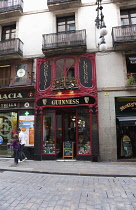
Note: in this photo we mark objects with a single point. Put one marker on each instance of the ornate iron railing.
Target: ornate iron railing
(60, 1)
(65, 83)
(124, 33)
(11, 5)
(11, 46)
(70, 38)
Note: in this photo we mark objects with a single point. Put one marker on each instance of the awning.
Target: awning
(127, 121)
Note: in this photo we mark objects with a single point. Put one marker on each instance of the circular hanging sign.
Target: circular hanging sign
(1, 140)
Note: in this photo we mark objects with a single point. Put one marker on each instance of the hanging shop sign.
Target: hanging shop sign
(45, 75)
(66, 102)
(85, 69)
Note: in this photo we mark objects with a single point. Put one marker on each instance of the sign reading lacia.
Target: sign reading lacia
(66, 102)
(16, 95)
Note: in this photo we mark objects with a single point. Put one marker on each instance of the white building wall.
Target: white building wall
(110, 66)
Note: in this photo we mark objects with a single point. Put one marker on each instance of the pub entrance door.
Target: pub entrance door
(65, 128)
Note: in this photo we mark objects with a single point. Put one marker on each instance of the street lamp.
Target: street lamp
(100, 24)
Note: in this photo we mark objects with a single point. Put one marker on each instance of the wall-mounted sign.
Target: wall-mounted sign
(16, 95)
(85, 69)
(45, 75)
(8, 105)
(66, 101)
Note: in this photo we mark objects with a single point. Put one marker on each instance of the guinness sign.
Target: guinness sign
(66, 102)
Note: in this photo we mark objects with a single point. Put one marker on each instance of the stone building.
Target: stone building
(71, 98)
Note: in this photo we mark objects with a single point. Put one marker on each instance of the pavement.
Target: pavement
(72, 167)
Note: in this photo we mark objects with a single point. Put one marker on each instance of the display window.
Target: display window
(67, 125)
(8, 126)
(48, 133)
(26, 123)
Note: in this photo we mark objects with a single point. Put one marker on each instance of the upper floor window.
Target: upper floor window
(8, 32)
(66, 24)
(4, 76)
(65, 74)
(131, 69)
(128, 17)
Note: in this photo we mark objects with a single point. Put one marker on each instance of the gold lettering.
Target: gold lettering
(85, 67)
(127, 106)
(5, 96)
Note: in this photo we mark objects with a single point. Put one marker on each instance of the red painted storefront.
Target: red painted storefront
(66, 108)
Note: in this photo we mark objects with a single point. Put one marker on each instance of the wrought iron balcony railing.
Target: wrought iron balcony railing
(9, 5)
(64, 39)
(62, 4)
(60, 1)
(64, 83)
(124, 33)
(4, 82)
(11, 46)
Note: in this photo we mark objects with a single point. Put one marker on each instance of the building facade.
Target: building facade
(72, 100)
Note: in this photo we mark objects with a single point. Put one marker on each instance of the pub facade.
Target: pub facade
(66, 108)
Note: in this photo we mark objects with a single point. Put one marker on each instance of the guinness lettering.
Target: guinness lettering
(10, 96)
(66, 102)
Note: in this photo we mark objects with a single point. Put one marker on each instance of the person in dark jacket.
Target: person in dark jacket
(16, 146)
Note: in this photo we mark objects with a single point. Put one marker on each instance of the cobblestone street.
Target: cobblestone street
(21, 190)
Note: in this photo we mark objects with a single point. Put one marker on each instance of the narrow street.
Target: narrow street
(22, 190)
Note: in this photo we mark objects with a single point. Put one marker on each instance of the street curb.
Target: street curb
(68, 174)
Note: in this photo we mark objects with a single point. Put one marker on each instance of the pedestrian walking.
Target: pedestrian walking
(22, 144)
(16, 146)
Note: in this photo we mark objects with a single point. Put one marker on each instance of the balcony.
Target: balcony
(64, 43)
(124, 38)
(64, 83)
(62, 4)
(11, 8)
(11, 49)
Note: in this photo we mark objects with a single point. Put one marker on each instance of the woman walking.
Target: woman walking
(16, 146)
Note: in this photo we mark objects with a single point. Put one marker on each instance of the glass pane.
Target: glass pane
(124, 22)
(71, 27)
(133, 20)
(59, 73)
(60, 63)
(61, 28)
(69, 62)
(58, 132)
(70, 126)
(48, 133)
(71, 73)
(83, 132)
(8, 126)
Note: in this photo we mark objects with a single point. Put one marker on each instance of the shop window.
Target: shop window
(83, 132)
(8, 32)
(48, 133)
(131, 70)
(8, 126)
(66, 24)
(65, 74)
(4, 76)
(128, 17)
